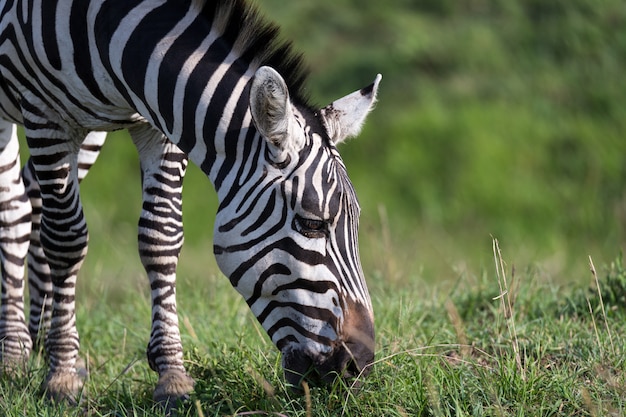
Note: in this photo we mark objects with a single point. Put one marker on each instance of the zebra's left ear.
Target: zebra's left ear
(271, 108)
(344, 118)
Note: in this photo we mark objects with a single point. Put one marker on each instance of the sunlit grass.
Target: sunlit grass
(441, 349)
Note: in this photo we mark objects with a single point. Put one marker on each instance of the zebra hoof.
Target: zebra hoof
(64, 387)
(172, 389)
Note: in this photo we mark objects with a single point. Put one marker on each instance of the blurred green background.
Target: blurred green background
(495, 118)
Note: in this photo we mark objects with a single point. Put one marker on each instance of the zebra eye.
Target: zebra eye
(311, 228)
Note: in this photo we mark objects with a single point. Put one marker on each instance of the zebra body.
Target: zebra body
(209, 77)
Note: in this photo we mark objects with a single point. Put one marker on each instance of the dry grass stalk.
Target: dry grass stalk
(464, 348)
(199, 408)
(264, 383)
(588, 402)
(189, 327)
(595, 327)
(506, 302)
(433, 395)
(307, 398)
(606, 322)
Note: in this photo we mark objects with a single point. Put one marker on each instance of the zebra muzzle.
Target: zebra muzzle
(350, 359)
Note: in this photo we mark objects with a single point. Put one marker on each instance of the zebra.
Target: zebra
(215, 78)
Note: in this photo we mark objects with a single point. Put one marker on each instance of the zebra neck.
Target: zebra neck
(178, 70)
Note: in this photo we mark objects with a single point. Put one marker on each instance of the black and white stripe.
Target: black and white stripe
(15, 229)
(39, 281)
(160, 231)
(208, 76)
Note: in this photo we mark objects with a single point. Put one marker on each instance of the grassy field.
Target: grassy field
(495, 118)
(502, 343)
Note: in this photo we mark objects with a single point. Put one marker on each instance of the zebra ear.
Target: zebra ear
(344, 118)
(270, 106)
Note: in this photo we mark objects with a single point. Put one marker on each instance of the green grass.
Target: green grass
(446, 349)
(494, 117)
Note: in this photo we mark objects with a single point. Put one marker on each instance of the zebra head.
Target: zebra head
(288, 239)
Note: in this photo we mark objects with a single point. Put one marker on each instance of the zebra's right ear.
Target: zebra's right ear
(270, 107)
(344, 118)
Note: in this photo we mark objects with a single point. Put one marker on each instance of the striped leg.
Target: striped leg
(64, 240)
(39, 281)
(15, 211)
(160, 241)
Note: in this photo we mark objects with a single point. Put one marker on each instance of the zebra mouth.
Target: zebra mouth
(350, 357)
(346, 362)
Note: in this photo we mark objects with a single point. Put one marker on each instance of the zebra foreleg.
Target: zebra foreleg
(39, 281)
(15, 226)
(160, 238)
(64, 240)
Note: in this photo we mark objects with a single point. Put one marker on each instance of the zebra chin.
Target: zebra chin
(350, 358)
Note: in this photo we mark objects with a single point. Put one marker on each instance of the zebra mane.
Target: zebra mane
(258, 40)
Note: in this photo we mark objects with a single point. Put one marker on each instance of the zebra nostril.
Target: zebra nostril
(359, 361)
(298, 367)
(352, 369)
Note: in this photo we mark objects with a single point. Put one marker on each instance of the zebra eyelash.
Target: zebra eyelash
(311, 228)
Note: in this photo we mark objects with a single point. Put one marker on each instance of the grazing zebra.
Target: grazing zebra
(209, 76)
